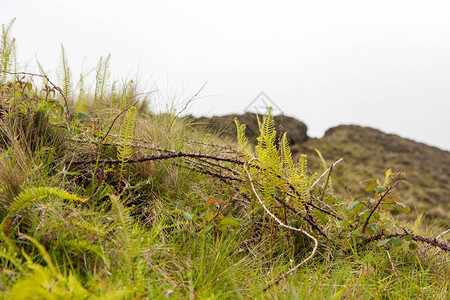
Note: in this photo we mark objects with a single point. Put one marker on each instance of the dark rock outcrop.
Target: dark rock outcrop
(225, 126)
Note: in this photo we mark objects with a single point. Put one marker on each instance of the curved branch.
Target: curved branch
(316, 243)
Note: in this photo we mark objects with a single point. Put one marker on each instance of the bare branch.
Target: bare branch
(417, 238)
(158, 157)
(185, 106)
(324, 173)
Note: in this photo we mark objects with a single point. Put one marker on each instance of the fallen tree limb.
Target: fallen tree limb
(417, 238)
(158, 157)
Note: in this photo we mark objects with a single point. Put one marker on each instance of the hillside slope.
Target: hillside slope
(368, 152)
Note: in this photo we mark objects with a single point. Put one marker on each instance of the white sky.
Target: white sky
(384, 64)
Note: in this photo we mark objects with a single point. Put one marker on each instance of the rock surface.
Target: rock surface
(225, 126)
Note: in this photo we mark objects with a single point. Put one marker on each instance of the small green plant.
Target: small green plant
(215, 215)
(367, 213)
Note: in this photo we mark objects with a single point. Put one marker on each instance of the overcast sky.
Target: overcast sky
(383, 64)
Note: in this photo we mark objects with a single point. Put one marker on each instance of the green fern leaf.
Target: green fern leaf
(323, 163)
(27, 196)
(126, 237)
(64, 74)
(125, 149)
(286, 155)
(83, 246)
(87, 226)
(101, 78)
(7, 48)
(242, 140)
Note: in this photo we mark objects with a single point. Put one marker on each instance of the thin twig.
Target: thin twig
(443, 233)
(207, 162)
(326, 183)
(392, 264)
(436, 238)
(324, 173)
(115, 119)
(333, 214)
(185, 106)
(325, 204)
(230, 149)
(316, 243)
(224, 178)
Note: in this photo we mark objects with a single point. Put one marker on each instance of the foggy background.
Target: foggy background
(383, 64)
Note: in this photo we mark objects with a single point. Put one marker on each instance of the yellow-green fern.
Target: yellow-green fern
(274, 170)
(64, 76)
(7, 49)
(242, 140)
(128, 239)
(125, 148)
(29, 195)
(101, 78)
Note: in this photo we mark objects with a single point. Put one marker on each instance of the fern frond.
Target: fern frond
(44, 253)
(14, 63)
(42, 72)
(88, 226)
(323, 166)
(101, 78)
(6, 51)
(64, 74)
(125, 149)
(83, 246)
(114, 95)
(266, 149)
(46, 282)
(82, 101)
(242, 140)
(303, 190)
(27, 196)
(286, 154)
(303, 165)
(125, 236)
(323, 163)
(267, 153)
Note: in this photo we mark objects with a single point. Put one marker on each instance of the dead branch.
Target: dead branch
(324, 173)
(430, 241)
(158, 157)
